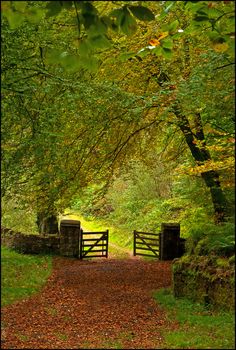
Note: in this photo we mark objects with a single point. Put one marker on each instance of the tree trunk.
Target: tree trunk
(47, 224)
(219, 201)
(201, 155)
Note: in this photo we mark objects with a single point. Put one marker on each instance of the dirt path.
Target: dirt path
(120, 251)
(103, 303)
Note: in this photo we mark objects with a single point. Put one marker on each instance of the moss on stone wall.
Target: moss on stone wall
(205, 279)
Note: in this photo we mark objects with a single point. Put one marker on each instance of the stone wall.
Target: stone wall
(30, 244)
(205, 279)
(66, 243)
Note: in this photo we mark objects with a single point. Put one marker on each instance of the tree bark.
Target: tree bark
(201, 154)
(219, 201)
(47, 224)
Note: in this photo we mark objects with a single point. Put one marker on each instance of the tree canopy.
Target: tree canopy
(91, 86)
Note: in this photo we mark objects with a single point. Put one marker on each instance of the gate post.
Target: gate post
(70, 235)
(134, 252)
(107, 243)
(81, 245)
(169, 241)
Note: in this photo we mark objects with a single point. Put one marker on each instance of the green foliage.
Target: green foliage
(207, 238)
(90, 200)
(124, 20)
(18, 217)
(37, 139)
(64, 129)
(142, 13)
(214, 21)
(53, 8)
(22, 275)
(199, 327)
(89, 21)
(128, 200)
(232, 260)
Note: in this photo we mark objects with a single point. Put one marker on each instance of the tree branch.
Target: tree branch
(226, 65)
(132, 135)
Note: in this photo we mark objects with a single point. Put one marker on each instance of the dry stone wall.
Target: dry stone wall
(30, 244)
(205, 279)
(66, 243)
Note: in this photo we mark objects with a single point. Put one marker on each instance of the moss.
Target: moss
(232, 260)
(221, 294)
(207, 279)
(177, 264)
(221, 262)
(201, 247)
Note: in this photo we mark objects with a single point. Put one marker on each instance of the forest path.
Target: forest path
(116, 251)
(92, 304)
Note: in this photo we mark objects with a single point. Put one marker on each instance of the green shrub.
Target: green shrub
(17, 217)
(209, 238)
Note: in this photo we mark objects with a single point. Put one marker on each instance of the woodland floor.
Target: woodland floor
(93, 304)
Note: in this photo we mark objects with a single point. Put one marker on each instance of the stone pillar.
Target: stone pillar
(169, 241)
(70, 238)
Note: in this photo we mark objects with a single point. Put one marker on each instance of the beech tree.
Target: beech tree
(55, 128)
(85, 83)
(178, 95)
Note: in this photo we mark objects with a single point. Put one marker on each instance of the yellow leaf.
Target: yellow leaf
(156, 41)
(163, 35)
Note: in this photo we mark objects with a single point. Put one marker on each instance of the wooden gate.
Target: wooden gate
(94, 244)
(146, 242)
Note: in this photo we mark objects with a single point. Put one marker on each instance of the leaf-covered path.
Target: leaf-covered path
(103, 303)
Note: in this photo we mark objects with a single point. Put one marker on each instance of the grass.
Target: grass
(22, 275)
(199, 327)
(61, 336)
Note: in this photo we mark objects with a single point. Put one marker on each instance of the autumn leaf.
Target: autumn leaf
(156, 41)
(54, 315)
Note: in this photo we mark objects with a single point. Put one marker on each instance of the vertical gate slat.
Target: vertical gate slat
(81, 245)
(134, 243)
(107, 245)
